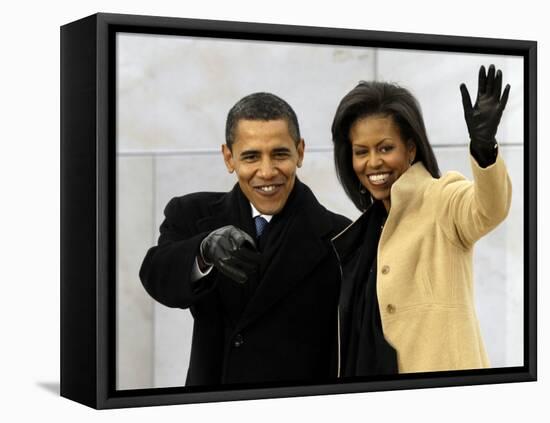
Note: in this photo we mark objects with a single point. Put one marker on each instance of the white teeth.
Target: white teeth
(379, 178)
(267, 188)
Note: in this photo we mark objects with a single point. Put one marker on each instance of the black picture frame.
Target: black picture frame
(88, 206)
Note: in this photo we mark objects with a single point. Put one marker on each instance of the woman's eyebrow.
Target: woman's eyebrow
(378, 143)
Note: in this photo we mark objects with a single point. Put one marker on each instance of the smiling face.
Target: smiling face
(379, 154)
(265, 157)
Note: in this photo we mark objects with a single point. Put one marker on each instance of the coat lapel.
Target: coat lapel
(347, 245)
(300, 249)
(404, 197)
(230, 209)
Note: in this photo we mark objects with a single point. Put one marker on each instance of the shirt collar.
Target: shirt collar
(257, 213)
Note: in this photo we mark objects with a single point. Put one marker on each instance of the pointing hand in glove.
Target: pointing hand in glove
(232, 251)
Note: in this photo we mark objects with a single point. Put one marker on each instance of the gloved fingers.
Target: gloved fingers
(466, 100)
(218, 245)
(242, 266)
(498, 86)
(224, 247)
(232, 272)
(202, 253)
(207, 247)
(490, 81)
(246, 258)
(248, 255)
(504, 98)
(240, 237)
(482, 81)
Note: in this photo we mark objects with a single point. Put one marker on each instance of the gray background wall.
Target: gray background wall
(173, 96)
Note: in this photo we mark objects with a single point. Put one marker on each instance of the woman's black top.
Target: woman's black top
(368, 352)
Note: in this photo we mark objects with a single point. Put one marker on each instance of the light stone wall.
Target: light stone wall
(173, 95)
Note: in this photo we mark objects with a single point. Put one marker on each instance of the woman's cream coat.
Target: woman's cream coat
(424, 269)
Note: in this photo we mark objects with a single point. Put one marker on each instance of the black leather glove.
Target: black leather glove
(232, 251)
(483, 118)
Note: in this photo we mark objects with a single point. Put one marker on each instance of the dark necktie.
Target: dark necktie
(261, 224)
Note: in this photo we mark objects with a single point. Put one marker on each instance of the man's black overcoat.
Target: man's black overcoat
(281, 326)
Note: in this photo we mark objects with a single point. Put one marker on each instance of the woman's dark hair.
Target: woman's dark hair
(385, 99)
(261, 106)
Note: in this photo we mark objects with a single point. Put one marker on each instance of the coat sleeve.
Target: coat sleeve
(468, 210)
(166, 268)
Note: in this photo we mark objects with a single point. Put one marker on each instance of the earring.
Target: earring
(363, 197)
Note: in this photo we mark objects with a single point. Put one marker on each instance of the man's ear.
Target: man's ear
(228, 158)
(300, 147)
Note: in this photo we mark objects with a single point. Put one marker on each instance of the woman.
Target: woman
(406, 303)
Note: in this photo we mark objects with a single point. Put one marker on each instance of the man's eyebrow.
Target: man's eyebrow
(281, 150)
(249, 152)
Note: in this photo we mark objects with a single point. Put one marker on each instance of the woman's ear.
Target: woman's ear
(411, 147)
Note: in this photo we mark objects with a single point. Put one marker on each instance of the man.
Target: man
(263, 293)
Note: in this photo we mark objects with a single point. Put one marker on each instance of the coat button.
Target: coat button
(385, 269)
(390, 308)
(238, 340)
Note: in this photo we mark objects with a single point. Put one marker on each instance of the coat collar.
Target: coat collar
(404, 192)
(404, 195)
(231, 208)
(302, 246)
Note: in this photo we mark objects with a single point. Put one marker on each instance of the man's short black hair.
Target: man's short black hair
(261, 106)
